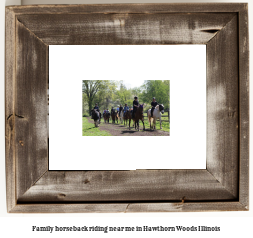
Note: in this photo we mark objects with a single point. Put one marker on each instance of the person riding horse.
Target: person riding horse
(120, 109)
(154, 103)
(135, 105)
(96, 107)
(126, 108)
(112, 110)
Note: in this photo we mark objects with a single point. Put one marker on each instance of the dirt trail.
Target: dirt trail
(121, 130)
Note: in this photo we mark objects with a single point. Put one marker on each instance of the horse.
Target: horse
(95, 115)
(156, 115)
(114, 116)
(138, 116)
(100, 116)
(127, 116)
(107, 116)
(121, 116)
(117, 117)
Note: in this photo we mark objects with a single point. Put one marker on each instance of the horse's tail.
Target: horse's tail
(150, 119)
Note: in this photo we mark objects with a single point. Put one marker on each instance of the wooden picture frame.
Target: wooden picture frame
(222, 186)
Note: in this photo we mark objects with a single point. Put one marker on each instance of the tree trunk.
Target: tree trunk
(90, 106)
(83, 105)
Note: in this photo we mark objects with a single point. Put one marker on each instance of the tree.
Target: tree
(90, 88)
(99, 91)
(105, 96)
(123, 95)
(158, 89)
(136, 91)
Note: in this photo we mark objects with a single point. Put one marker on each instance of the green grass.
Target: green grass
(90, 130)
(165, 125)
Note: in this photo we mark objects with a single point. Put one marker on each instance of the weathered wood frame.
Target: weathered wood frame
(222, 186)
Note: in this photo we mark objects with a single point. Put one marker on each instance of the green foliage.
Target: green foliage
(123, 95)
(98, 91)
(90, 130)
(108, 93)
(158, 89)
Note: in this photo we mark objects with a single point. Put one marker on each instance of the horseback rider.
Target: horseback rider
(126, 108)
(106, 112)
(120, 109)
(117, 109)
(96, 107)
(154, 103)
(135, 105)
(112, 110)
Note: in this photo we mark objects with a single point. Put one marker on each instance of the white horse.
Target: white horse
(121, 116)
(156, 115)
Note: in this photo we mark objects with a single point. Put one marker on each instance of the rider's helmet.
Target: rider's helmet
(135, 97)
(153, 97)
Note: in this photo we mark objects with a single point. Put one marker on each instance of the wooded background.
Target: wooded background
(111, 93)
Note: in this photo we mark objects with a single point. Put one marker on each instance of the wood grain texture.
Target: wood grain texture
(120, 29)
(129, 207)
(30, 108)
(223, 186)
(139, 185)
(129, 8)
(244, 107)
(222, 107)
(9, 109)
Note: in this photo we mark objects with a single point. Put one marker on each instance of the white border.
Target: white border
(183, 65)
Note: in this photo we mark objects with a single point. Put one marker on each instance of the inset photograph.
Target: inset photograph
(126, 108)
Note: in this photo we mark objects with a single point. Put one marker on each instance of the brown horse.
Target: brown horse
(117, 117)
(139, 116)
(127, 116)
(114, 116)
(107, 116)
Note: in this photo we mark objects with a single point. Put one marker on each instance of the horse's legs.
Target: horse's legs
(161, 124)
(143, 125)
